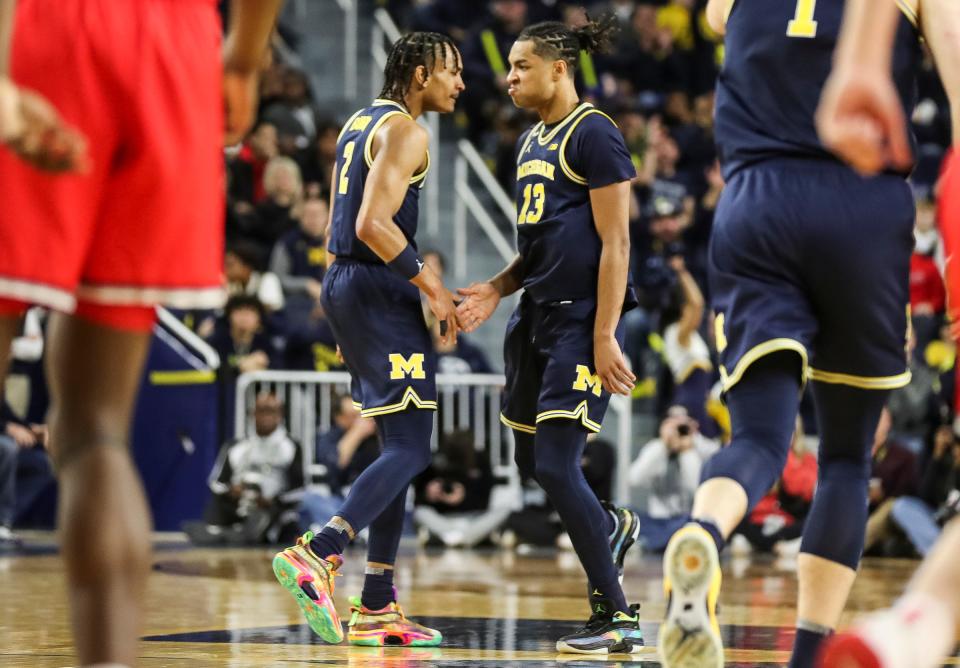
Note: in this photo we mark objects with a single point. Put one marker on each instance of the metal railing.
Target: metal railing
(385, 31)
(466, 402)
(350, 47)
(469, 161)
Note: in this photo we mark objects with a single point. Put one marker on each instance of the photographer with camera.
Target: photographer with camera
(668, 471)
(922, 517)
(250, 481)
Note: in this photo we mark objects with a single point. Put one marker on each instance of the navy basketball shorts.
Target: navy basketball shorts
(377, 320)
(548, 359)
(808, 256)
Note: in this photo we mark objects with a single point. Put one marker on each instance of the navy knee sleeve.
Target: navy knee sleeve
(559, 448)
(406, 453)
(763, 411)
(837, 520)
(523, 455)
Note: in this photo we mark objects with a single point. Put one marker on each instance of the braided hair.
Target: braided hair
(427, 49)
(558, 41)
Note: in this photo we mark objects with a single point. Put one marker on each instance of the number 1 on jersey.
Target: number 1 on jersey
(347, 159)
(802, 23)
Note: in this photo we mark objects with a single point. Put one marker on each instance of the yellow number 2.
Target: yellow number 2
(802, 23)
(535, 194)
(347, 159)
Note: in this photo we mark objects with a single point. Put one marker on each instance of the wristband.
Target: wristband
(408, 264)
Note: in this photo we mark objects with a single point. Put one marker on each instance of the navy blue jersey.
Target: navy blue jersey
(557, 166)
(778, 57)
(354, 158)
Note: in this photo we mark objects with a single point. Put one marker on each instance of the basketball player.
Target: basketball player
(127, 99)
(562, 351)
(808, 266)
(858, 120)
(371, 296)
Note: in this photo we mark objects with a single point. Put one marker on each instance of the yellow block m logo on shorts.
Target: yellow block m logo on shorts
(587, 381)
(401, 367)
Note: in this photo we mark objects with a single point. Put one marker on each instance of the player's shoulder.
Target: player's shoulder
(595, 125)
(400, 128)
(595, 120)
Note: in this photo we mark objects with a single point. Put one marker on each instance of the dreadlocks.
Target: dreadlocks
(558, 41)
(410, 52)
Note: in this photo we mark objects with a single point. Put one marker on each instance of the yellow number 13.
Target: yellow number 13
(533, 194)
(802, 23)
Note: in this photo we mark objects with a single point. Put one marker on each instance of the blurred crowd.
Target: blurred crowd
(657, 84)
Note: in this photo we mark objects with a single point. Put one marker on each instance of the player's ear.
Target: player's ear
(420, 76)
(559, 69)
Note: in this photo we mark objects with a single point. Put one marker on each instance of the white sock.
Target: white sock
(918, 632)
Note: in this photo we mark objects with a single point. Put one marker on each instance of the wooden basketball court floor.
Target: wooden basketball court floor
(497, 609)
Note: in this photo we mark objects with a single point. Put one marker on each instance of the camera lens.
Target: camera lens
(683, 430)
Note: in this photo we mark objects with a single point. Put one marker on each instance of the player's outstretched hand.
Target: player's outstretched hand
(612, 367)
(860, 118)
(480, 300)
(31, 127)
(444, 307)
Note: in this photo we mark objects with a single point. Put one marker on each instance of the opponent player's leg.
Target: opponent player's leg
(94, 371)
(763, 408)
(920, 630)
(834, 531)
(376, 617)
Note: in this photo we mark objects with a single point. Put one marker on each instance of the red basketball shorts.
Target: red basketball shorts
(141, 79)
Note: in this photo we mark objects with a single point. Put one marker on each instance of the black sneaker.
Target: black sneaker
(625, 532)
(605, 633)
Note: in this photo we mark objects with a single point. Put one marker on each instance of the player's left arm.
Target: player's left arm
(611, 213)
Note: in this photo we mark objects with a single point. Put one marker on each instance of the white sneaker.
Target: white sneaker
(7, 535)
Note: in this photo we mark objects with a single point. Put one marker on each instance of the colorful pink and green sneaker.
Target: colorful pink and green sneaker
(309, 579)
(387, 627)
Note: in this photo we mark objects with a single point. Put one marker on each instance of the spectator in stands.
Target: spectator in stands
(310, 344)
(321, 158)
(916, 406)
(239, 268)
(299, 258)
(345, 450)
(652, 250)
(645, 60)
(16, 439)
(921, 518)
(485, 63)
(293, 113)
(927, 294)
(242, 345)
(277, 214)
(460, 357)
(685, 351)
(453, 496)
(453, 17)
(894, 476)
(776, 523)
(668, 471)
(247, 168)
(250, 480)
(349, 447)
